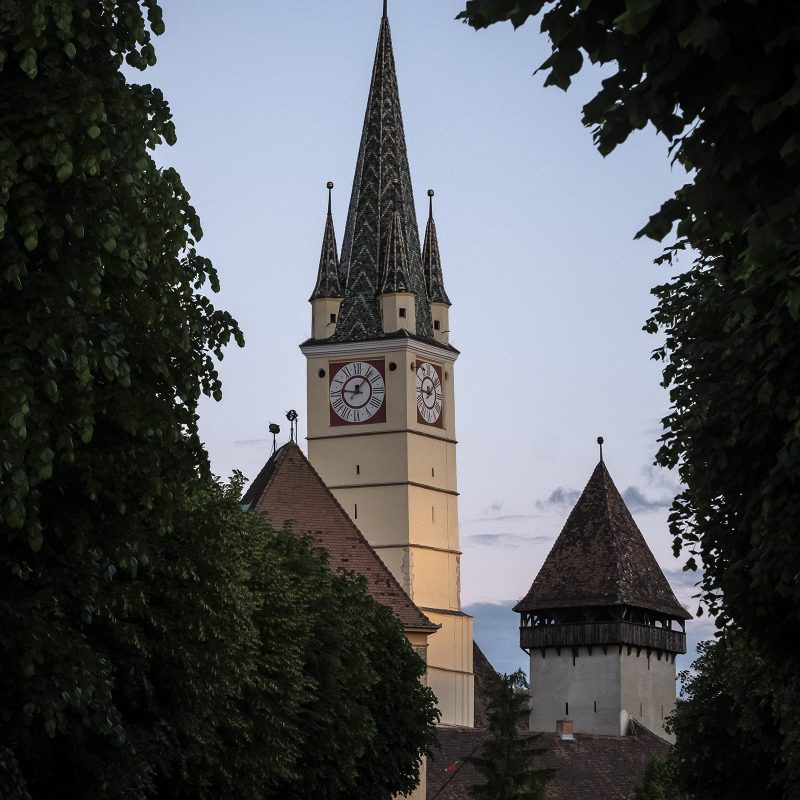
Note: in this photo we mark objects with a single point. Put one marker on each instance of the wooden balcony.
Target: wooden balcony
(602, 633)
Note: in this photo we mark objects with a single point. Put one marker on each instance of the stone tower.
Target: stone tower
(381, 402)
(601, 623)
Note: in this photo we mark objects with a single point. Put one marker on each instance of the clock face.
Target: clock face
(357, 392)
(429, 394)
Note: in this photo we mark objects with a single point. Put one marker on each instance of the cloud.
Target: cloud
(506, 539)
(496, 630)
(559, 499)
(636, 500)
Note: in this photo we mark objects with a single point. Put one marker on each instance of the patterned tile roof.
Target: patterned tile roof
(328, 274)
(288, 489)
(601, 559)
(592, 767)
(431, 262)
(382, 159)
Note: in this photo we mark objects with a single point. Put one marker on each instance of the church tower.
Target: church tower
(381, 402)
(601, 623)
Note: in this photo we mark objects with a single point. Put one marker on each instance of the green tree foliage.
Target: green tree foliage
(155, 640)
(507, 758)
(721, 80)
(736, 729)
(659, 782)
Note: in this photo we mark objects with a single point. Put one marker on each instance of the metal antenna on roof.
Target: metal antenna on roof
(600, 441)
(291, 415)
(431, 193)
(274, 430)
(329, 184)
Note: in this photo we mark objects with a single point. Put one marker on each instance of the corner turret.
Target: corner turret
(434, 282)
(327, 295)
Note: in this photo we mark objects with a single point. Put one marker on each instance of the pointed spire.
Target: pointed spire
(328, 284)
(395, 254)
(601, 559)
(431, 262)
(382, 156)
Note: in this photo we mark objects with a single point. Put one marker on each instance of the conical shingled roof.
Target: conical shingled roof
(431, 261)
(601, 559)
(382, 159)
(328, 274)
(288, 489)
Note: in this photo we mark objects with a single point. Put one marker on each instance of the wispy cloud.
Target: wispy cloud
(559, 500)
(506, 539)
(249, 442)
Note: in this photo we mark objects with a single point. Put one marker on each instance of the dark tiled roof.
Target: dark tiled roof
(288, 489)
(485, 675)
(431, 261)
(328, 274)
(591, 767)
(601, 559)
(382, 159)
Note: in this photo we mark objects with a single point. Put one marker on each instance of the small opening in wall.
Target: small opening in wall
(640, 709)
(333, 319)
(446, 375)
(433, 472)
(401, 312)
(662, 712)
(358, 469)
(433, 515)
(566, 709)
(392, 366)
(436, 325)
(355, 512)
(595, 706)
(413, 366)
(321, 373)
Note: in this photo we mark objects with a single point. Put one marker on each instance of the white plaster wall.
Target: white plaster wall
(579, 681)
(648, 689)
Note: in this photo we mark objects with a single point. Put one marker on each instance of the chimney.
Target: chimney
(564, 730)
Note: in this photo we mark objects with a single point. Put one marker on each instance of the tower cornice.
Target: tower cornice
(395, 344)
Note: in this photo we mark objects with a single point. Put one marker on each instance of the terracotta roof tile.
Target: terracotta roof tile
(288, 489)
(601, 559)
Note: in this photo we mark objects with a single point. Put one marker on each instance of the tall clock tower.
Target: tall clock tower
(381, 403)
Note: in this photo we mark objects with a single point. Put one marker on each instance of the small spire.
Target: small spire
(395, 260)
(600, 441)
(328, 284)
(385, 10)
(431, 261)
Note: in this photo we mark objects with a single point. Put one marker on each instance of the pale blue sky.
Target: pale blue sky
(536, 231)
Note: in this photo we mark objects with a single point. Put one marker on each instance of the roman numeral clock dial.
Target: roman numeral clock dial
(357, 392)
(429, 394)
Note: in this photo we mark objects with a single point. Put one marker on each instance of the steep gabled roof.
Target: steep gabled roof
(601, 559)
(288, 489)
(382, 160)
(327, 284)
(395, 258)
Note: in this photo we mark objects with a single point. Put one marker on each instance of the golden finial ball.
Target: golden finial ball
(329, 184)
(431, 193)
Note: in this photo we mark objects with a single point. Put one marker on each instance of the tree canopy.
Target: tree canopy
(720, 79)
(155, 640)
(507, 759)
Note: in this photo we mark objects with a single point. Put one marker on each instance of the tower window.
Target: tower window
(355, 512)
(436, 325)
(333, 318)
(358, 469)
(566, 709)
(401, 312)
(595, 706)
(433, 472)
(433, 515)
(640, 709)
